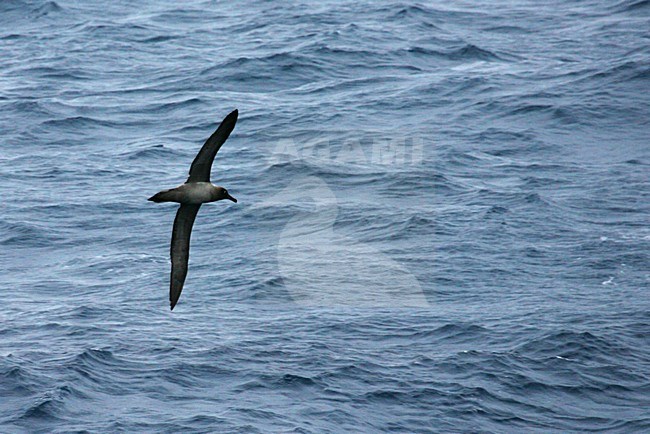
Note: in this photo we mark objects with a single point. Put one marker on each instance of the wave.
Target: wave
(631, 6)
(47, 8)
(571, 345)
(49, 406)
(35, 9)
(466, 52)
(23, 234)
(152, 151)
(78, 122)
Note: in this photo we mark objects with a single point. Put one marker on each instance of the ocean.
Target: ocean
(443, 217)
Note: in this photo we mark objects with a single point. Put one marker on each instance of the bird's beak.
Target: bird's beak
(232, 198)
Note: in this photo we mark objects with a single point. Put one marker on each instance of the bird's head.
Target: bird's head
(222, 193)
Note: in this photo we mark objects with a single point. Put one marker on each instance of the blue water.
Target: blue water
(443, 220)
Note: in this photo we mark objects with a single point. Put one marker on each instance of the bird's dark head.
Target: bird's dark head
(222, 194)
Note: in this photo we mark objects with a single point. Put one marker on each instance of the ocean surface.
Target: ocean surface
(443, 221)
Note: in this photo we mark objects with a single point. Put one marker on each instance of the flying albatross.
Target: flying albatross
(197, 190)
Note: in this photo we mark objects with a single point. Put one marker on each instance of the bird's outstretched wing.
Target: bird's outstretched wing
(202, 164)
(180, 249)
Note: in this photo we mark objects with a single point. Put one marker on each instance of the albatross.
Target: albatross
(195, 191)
